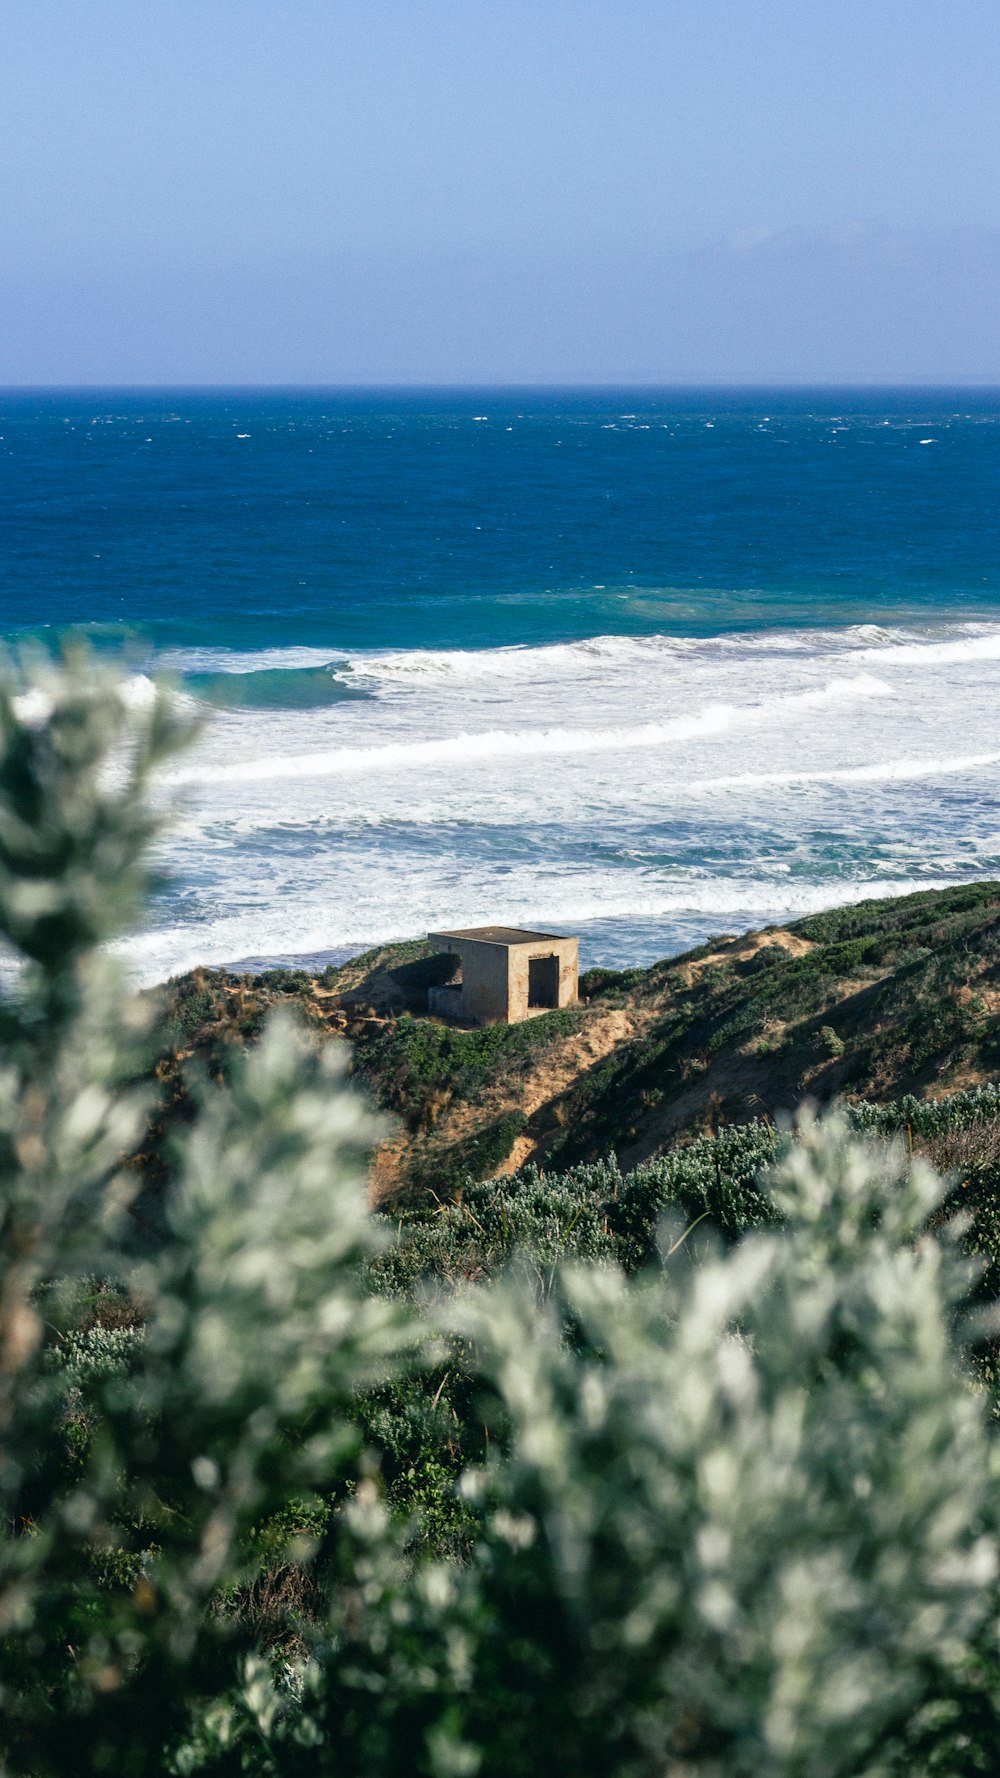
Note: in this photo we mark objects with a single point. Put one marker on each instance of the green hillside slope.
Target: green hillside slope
(868, 1002)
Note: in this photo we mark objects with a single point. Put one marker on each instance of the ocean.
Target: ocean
(646, 665)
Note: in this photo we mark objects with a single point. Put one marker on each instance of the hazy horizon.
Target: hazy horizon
(416, 386)
(441, 192)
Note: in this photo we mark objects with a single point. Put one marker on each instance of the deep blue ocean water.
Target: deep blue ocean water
(645, 664)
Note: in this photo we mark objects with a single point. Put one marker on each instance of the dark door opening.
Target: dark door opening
(543, 981)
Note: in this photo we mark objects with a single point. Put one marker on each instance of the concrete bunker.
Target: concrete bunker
(503, 974)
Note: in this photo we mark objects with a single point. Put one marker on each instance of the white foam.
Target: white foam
(889, 771)
(597, 656)
(139, 691)
(497, 744)
(33, 707)
(629, 780)
(251, 660)
(929, 653)
(573, 900)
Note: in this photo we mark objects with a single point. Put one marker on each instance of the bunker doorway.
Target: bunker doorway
(543, 981)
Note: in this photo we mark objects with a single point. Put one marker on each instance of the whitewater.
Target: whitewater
(643, 664)
(647, 792)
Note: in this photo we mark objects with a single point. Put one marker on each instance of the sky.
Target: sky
(499, 191)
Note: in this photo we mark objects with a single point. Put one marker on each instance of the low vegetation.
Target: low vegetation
(675, 1464)
(869, 1003)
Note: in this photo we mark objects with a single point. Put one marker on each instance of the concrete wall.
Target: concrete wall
(567, 950)
(484, 981)
(445, 1001)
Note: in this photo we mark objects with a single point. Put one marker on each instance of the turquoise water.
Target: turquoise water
(646, 664)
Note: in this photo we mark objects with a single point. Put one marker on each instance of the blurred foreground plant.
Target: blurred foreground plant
(740, 1514)
(255, 1332)
(746, 1524)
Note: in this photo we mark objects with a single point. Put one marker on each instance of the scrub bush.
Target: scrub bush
(407, 1057)
(135, 1470)
(645, 1505)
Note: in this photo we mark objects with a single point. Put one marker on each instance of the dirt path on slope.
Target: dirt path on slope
(537, 1094)
(602, 1033)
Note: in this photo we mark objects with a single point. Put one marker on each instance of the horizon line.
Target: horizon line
(280, 385)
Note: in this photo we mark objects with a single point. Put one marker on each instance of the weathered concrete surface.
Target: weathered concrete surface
(446, 1001)
(509, 973)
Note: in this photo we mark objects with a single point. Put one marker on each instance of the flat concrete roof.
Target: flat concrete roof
(502, 935)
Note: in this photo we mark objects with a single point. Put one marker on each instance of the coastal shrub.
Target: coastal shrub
(743, 1522)
(474, 1157)
(192, 1003)
(906, 914)
(534, 1219)
(928, 1117)
(405, 1059)
(719, 1183)
(722, 1180)
(136, 1467)
(286, 981)
(601, 980)
(269, 1506)
(592, 1211)
(961, 1136)
(765, 958)
(484, 1152)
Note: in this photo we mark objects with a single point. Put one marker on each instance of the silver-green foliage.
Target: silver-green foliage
(930, 1117)
(746, 1523)
(256, 1330)
(742, 1517)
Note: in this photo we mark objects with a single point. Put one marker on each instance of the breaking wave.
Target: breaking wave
(272, 688)
(497, 744)
(644, 791)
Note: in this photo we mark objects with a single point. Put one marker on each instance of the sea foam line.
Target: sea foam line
(890, 771)
(932, 654)
(492, 744)
(602, 654)
(729, 903)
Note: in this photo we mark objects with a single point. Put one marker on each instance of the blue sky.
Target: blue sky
(486, 190)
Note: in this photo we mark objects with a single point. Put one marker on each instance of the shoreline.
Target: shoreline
(876, 1001)
(314, 962)
(644, 795)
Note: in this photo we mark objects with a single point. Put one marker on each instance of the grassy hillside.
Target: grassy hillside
(870, 1002)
